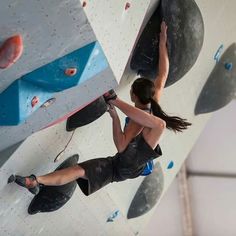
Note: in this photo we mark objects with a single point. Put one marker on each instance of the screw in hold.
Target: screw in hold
(71, 71)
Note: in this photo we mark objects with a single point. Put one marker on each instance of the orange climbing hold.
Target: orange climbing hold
(34, 101)
(10, 51)
(71, 71)
(127, 6)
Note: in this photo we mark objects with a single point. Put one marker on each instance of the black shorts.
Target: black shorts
(98, 172)
(126, 165)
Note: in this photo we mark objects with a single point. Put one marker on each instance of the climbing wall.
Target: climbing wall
(53, 33)
(68, 59)
(88, 215)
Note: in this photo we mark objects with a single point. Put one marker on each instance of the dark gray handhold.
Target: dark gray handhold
(185, 35)
(51, 198)
(220, 87)
(185, 40)
(87, 115)
(148, 193)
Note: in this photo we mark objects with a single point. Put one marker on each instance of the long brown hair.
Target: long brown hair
(144, 89)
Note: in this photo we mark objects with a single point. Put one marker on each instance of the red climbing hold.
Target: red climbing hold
(34, 101)
(71, 71)
(10, 51)
(127, 5)
(84, 4)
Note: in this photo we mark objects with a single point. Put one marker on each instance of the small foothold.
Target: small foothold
(113, 216)
(71, 71)
(84, 4)
(218, 53)
(228, 66)
(48, 102)
(170, 165)
(127, 6)
(34, 101)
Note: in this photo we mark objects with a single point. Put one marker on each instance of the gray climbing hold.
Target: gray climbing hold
(220, 87)
(148, 193)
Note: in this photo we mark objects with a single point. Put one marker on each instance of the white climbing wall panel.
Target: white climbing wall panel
(116, 24)
(51, 30)
(62, 28)
(116, 29)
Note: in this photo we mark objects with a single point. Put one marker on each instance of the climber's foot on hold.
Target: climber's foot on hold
(29, 182)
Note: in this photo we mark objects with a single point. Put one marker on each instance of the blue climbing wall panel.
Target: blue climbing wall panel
(88, 60)
(16, 100)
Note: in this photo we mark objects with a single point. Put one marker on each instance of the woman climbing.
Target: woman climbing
(136, 145)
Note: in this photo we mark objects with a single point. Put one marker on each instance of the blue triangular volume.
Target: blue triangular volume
(15, 101)
(88, 60)
(9, 105)
(97, 62)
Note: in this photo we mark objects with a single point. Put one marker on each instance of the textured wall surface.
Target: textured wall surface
(55, 29)
(88, 215)
(49, 32)
(214, 151)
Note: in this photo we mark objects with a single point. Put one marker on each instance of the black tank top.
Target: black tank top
(132, 161)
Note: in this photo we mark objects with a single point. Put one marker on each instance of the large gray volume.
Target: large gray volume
(220, 87)
(148, 193)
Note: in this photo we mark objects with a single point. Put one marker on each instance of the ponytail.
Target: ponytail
(144, 89)
(173, 123)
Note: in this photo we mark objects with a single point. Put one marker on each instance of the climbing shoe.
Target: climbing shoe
(26, 182)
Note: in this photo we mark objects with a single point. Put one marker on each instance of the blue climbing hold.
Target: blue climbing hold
(170, 165)
(218, 53)
(20, 100)
(228, 66)
(113, 216)
(148, 168)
